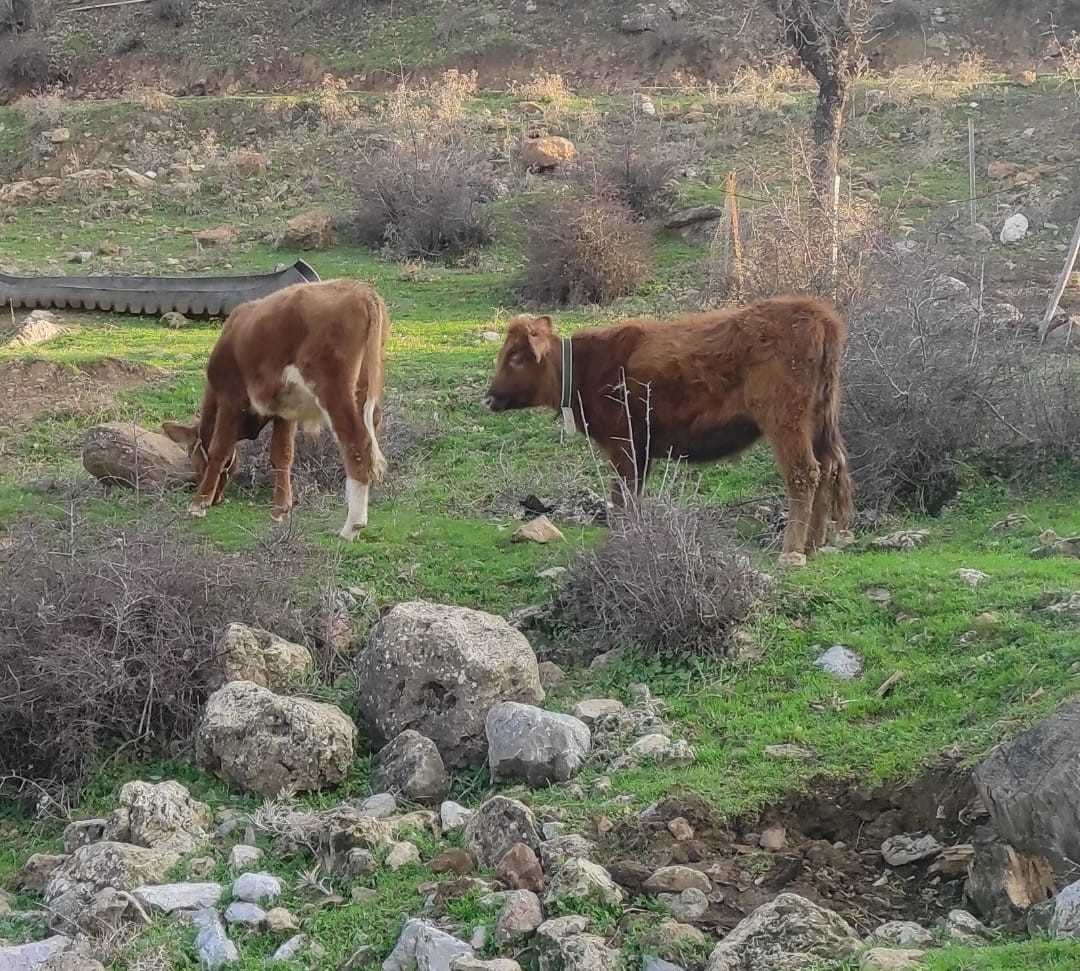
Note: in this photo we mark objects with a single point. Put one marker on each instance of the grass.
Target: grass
(443, 533)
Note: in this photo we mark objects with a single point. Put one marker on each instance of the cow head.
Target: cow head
(527, 370)
(188, 435)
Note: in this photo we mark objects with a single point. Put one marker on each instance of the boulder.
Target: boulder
(1003, 885)
(160, 815)
(250, 654)
(256, 888)
(84, 892)
(582, 880)
(903, 934)
(789, 932)
(496, 826)
(242, 912)
(540, 530)
(539, 747)
(168, 897)
(31, 956)
(671, 940)
(438, 670)
(688, 904)
(423, 946)
(519, 869)
(1031, 788)
(266, 743)
(212, 943)
(521, 914)
(1065, 919)
(121, 453)
(38, 327)
(309, 231)
(547, 152)
(904, 849)
(563, 945)
(411, 765)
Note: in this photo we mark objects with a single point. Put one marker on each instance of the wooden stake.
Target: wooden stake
(732, 207)
(835, 234)
(1062, 283)
(971, 170)
(889, 683)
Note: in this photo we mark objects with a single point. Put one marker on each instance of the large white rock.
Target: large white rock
(536, 746)
(251, 654)
(122, 453)
(162, 814)
(265, 743)
(438, 670)
(423, 947)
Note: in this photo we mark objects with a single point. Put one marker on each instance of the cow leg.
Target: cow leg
(801, 472)
(821, 510)
(221, 450)
(282, 449)
(356, 454)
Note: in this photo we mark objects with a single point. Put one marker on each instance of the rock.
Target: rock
(160, 815)
(83, 891)
(659, 749)
(696, 224)
(789, 932)
(81, 832)
(1014, 229)
(76, 958)
(649, 963)
(174, 320)
(37, 870)
(447, 666)
(212, 943)
(265, 743)
(309, 231)
(466, 963)
(555, 852)
(902, 850)
(243, 857)
(841, 662)
(651, 16)
(972, 577)
(424, 946)
(412, 766)
(1003, 885)
(120, 453)
(582, 880)
(889, 959)
(279, 921)
(977, 233)
(38, 327)
(519, 869)
(539, 747)
(220, 236)
(903, 934)
(688, 904)
(1031, 787)
(382, 805)
(961, 928)
(200, 867)
(904, 539)
(671, 940)
(774, 838)
(592, 710)
(453, 816)
(359, 862)
(496, 826)
(242, 912)
(167, 897)
(551, 675)
(1065, 920)
(31, 956)
(250, 654)
(294, 947)
(402, 855)
(547, 152)
(675, 879)
(680, 829)
(539, 530)
(1059, 547)
(563, 945)
(521, 914)
(256, 888)
(453, 860)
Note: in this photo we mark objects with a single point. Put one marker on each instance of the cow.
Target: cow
(701, 388)
(312, 355)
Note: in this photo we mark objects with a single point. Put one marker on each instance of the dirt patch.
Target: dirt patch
(831, 850)
(87, 390)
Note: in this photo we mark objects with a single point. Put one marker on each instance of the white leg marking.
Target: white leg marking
(357, 495)
(378, 460)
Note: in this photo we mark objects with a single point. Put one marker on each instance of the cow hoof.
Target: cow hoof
(199, 512)
(791, 561)
(351, 532)
(279, 515)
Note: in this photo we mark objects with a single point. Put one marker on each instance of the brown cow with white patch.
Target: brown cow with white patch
(312, 354)
(702, 388)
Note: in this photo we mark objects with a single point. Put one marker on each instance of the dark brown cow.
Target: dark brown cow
(702, 388)
(312, 354)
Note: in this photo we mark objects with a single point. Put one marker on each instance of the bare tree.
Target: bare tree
(824, 35)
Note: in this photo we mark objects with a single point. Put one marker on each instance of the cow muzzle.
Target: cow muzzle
(494, 402)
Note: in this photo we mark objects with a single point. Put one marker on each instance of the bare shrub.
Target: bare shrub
(425, 192)
(931, 385)
(641, 174)
(666, 578)
(28, 61)
(582, 248)
(107, 635)
(546, 88)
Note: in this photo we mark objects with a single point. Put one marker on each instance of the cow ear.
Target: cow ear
(540, 331)
(181, 433)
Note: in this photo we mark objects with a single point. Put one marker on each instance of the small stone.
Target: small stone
(841, 662)
(539, 530)
(401, 855)
(889, 959)
(279, 921)
(519, 869)
(680, 829)
(580, 880)
(58, 136)
(774, 838)
(551, 675)
(903, 934)
(521, 914)
(212, 943)
(241, 912)
(423, 945)
(380, 806)
(675, 879)
(1014, 229)
(359, 862)
(81, 256)
(1025, 79)
(453, 816)
(200, 867)
(256, 888)
(1001, 170)
(961, 928)
(36, 871)
(243, 857)
(972, 577)
(593, 709)
(411, 764)
(220, 236)
(555, 852)
(690, 904)
(453, 860)
(169, 897)
(902, 850)
(292, 948)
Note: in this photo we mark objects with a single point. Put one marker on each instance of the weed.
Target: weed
(641, 174)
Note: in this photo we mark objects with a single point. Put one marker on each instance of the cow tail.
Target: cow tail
(374, 366)
(831, 449)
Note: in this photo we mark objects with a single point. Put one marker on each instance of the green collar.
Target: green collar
(567, 372)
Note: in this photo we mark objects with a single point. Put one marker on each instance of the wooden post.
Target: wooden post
(1062, 283)
(971, 171)
(835, 235)
(732, 208)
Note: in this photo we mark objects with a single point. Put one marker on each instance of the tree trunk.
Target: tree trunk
(828, 119)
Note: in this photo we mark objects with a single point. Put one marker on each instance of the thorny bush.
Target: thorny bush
(107, 635)
(582, 249)
(641, 174)
(666, 578)
(932, 385)
(425, 193)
